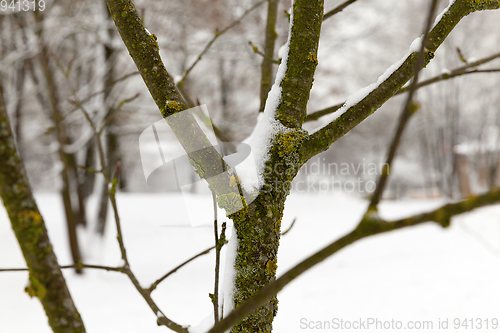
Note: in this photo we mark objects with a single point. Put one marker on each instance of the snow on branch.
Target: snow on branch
(366, 101)
(286, 103)
(445, 75)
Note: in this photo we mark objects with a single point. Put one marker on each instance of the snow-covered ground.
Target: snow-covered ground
(422, 273)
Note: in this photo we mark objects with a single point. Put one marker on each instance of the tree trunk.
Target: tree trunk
(259, 228)
(46, 280)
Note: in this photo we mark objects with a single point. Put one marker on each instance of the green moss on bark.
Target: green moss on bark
(301, 63)
(46, 280)
(144, 50)
(259, 227)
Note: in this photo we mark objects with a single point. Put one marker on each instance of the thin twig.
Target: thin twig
(323, 112)
(446, 76)
(217, 34)
(13, 269)
(161, 318)
(157, 282)
(89, 170)
(98, 139)
(113, 111)
(215, 297)
(106, 268)
(80, 265)
(337, 9)
(259, 52)
(108, 87)
(289, 228)
(220, 243)
(108, 181)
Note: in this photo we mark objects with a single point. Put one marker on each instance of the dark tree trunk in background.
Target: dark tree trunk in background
(111, 139)
(67, 160)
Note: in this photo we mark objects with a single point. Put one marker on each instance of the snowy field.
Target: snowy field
(423, 273)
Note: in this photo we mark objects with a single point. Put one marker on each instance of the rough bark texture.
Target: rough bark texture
(259, 227)
(46, 280)
(144, 50)
(301, 63)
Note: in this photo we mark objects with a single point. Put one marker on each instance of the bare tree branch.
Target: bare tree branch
(217, 34)
(80, 265)
(337, 9)
(408, 110)
(112, 183)
(301, 62)
(215, 295)
(462, 70)
(290, 227)
(323, 112)
(106, 268)
(144, 50)
(107, 88)
(259, 52)
(323, 138)
(67, 160)
(14, 269)
(172, 271)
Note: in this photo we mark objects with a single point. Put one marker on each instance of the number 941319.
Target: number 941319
(21, 5)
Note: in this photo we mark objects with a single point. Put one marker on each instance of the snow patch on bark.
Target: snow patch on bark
(251, 171)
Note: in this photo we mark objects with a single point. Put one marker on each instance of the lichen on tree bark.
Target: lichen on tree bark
(46, 280)
(259, 226)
